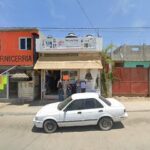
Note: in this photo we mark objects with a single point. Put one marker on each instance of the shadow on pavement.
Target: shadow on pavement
(116, 126)
(37, 130)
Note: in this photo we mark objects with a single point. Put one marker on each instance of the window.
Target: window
(76, 105)
(139, 66)
(28, 43)
(64, 103)
(86, 45)
(92, 103)
(25, 43)
(105, 100)
(119, 64)
(135, 49)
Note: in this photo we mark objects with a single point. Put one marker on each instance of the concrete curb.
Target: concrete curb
(141, 110)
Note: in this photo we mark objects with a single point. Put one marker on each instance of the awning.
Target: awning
(19, 75)
(57, 63)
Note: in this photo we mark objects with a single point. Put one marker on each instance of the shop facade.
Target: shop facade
(17, 57)
(73, 60)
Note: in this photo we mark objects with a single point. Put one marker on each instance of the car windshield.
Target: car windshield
(105, 100)
(64, 103)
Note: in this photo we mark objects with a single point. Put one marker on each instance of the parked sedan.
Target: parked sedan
(79, 110)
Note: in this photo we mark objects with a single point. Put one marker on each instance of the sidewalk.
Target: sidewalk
(134, 104)
(31, 108)
(137, 106)
(21, 108)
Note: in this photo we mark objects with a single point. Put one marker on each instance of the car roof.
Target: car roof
(85, 95)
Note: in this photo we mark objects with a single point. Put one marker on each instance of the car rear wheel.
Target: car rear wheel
(105, 123)
(50, 126)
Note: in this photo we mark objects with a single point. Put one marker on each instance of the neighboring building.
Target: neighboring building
(71, 58)
(132, 73)
(17, 49)
(132, 56)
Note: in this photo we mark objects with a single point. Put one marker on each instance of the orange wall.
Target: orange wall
(9, 46)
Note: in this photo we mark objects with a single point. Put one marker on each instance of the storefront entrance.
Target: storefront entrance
(73, 81)
(51, 79)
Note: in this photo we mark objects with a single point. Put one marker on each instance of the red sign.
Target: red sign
(15, 59)
(24, 60)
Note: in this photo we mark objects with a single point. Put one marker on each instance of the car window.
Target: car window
(75, 105)
(92, 103)
(105, 100)
(64, 103)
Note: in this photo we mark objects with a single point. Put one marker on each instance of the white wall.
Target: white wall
(91, 85)
(26, 89)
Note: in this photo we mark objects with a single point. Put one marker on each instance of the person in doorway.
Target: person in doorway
(60, 90)
(59, 83)
(47, 82)
(78, 86)
(69, 90)
(83, 86)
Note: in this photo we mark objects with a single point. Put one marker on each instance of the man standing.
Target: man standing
(60, 90)
(83, 86)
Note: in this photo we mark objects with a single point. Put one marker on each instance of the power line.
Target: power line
(84, 12)
(94, 28)
(142, 28)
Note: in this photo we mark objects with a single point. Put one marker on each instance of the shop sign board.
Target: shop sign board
(61, 43)
(47, 44)
(16, 59)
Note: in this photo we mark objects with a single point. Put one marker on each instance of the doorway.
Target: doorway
(13, 89)
(51, 79)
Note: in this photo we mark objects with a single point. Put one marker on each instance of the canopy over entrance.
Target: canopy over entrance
(58, 63)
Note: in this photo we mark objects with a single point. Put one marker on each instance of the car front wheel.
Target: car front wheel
(105, 123)
(50, 126)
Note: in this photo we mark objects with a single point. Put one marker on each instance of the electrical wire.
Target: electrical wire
(85, 14)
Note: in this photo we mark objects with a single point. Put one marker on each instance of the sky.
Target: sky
(68, 14)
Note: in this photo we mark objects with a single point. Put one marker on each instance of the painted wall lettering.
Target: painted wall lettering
(17, 58)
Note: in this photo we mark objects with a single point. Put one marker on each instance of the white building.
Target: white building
(71, 58)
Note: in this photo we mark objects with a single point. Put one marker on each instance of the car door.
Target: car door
(72, 115)
(92, 111)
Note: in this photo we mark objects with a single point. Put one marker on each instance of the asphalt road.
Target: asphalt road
(17, 133)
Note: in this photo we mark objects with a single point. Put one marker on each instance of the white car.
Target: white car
(79, 110)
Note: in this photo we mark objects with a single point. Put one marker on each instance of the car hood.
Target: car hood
(115, 103)
(48, 109)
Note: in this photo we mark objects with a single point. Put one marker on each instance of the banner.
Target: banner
(1, 79)
(1, 86)
(4, 79)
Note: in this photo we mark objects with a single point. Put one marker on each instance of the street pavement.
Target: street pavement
(18, 133)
